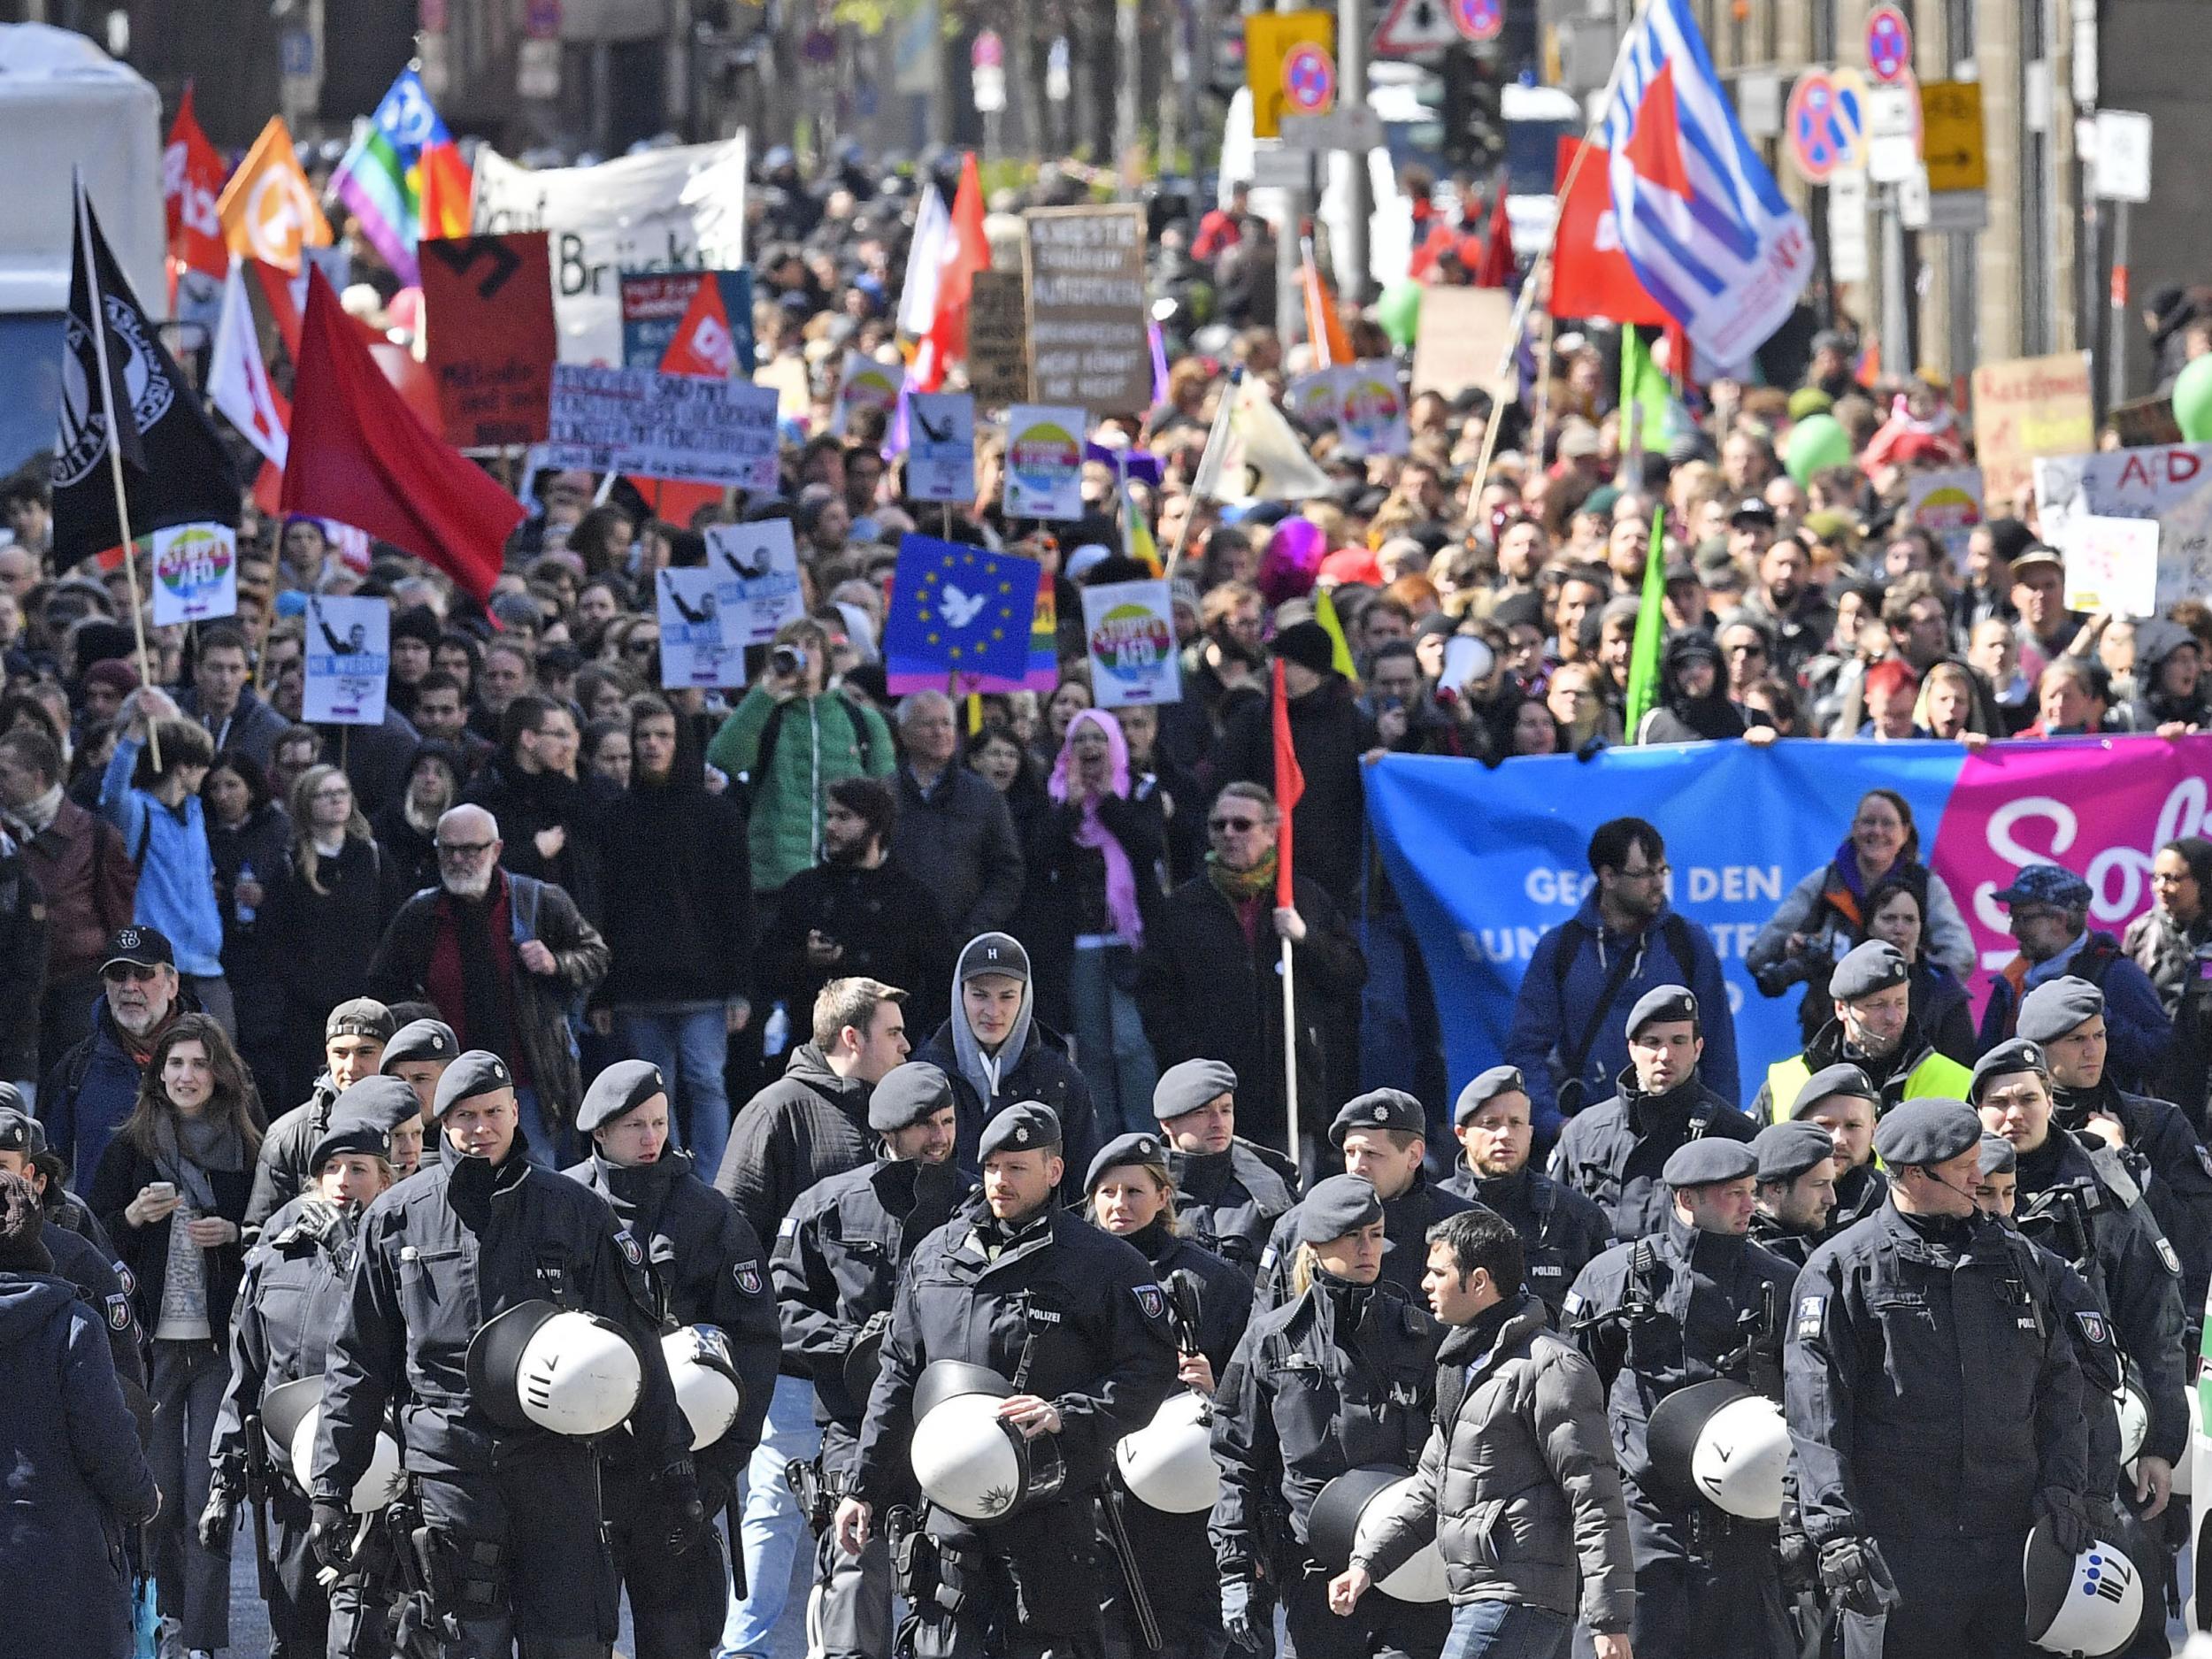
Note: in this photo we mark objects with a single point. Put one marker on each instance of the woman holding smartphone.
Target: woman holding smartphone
(172, 1190)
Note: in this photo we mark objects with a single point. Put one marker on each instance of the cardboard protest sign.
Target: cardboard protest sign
(654, 302)
(998, 354)
(2112, 564)
(694, 650)
(863, 383)
(755, 571)
(1462, 340)
(940, 447)
(1087, 340)
(679, 426)
(348, 654)
(1044, 461)
(2026, 409)
(1129, 628)
(1948, 505)
(2170, 482)
(488, 340)
(195, 573)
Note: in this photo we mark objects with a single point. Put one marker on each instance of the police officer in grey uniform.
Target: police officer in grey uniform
(836, 1266)
(707, 1267)
(1341, 1376)
(1561, 1231)
(1934, 1406)
(1797, 1188)
(1843, 1100)
(1229, 1192)
(515, 1549)
(1615, 1152)
(1071, 1317)
(1382, 1136)
(1692, 1301)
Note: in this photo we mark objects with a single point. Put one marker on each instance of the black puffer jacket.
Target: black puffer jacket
(808, 1124)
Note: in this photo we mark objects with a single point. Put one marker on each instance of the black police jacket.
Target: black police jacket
(706, 1267)
(1860, 1192)
(2075, 1194)
(1339, 1377)
(102, 1287)
(1929, 1390)
(1407, 1219)
(1613, 1152)
(1229, 1201)
(836, 1264)
(1056, 1307)
(1224, 1292)
(1562, 1231)
(2180, 1168)
(1777, 1239)
(290, 1303)
(442, 1254)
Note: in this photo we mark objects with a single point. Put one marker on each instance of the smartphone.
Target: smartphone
(162, 1191)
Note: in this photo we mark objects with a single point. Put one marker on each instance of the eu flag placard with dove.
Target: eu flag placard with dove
(959, 617)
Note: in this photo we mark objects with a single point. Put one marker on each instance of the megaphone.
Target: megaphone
(2086, 1605)
(543, 1367)
(1350, 1514)
(969, 1460)
(704, 1372)
(1719, 1442)
(292, 1416)
(1168, 1463)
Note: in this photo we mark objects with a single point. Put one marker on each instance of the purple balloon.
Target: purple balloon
(1292, 560)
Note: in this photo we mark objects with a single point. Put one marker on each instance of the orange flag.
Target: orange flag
(1325, 329)
(268, 210)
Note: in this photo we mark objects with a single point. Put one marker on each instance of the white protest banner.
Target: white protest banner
(195, 573)
(940, 447)
(755, 571)
(1130, 630)
(2170, 482)
(349, 654)
(2112, 564)
(665, 210)
(1948, 505)
(693, 649)
(1044, 461)
(863, 383)
(681, 426)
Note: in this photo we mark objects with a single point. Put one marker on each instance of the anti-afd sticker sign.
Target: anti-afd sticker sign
(489, 344)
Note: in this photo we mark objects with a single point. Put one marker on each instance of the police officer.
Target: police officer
(75, 1240)
(1338, 1377)
(514, 1548)
(1796, 1188)
(290, 1300)
(1383, 1136)
(353, 1035)
(1692, 1301)
(2066, 1015)
(1132, 1195)
(707, 1267)
(1874, 1030)
(1073, 1318)
(1560, 1230)
(1843, 1100)
(417, 1055)
(1614, 1153)
(1229, 1192)
(836, 1267)
(1934, 1406)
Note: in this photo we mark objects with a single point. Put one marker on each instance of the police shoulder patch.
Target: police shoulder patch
(1810, 1309)
(128, 1278)
(1152, 1300)
(748, 1276)
(2166, 1254)
(119, 1312)
(2094, 1329)
(630, 1253)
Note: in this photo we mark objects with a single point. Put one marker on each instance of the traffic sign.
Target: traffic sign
(1888, 44)
(987, 51)
(1348, 126)
(1309, 81)
(1951, 121)
(1479, 19)
(1825, 124)
(1269, 40)
(1415, 28)
(1893, 133)
(2124, 156)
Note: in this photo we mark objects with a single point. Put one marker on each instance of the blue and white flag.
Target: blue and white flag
(1700, 218)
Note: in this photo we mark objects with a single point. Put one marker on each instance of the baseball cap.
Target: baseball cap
(141, 947)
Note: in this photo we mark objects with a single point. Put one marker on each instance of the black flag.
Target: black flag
(175, 468)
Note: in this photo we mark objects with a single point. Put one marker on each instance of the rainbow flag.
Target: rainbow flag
(404, 177)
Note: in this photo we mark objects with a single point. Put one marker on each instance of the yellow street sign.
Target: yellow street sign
(1269, 37)
(1951, 121)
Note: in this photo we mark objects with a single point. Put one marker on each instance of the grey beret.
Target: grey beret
(420, 1040)
(350, 1135)
(1498, 1079)
(378, 1100)
(1379, 1109)
(907, 1094)
(1877, 965)
(2052, 1010)
(1026, 1126)
(1140, 1148)
(1842, 1079)
(1189, 1084)
(1997, 1156)
(20, 1131)
(2015, 1054)
(1709, 1158)
(622, 1087)
(1785, 1151)
(1927, 1131)
(1336, 1207)
(473, 1073)
(994, 952)
(1665, 1002)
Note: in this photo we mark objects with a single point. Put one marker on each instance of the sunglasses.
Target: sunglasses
(1236, 825)
(463, 849)
(130, 972)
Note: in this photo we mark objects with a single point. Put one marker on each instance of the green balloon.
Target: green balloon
(1399, 312)
(1815, 444)
(2193, 401)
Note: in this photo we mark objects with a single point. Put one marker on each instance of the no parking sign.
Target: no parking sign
(1309, 78)
(1825, 124)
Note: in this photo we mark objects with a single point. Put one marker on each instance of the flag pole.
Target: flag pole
(115, 447)
(1217, 435)
(1290, 1055)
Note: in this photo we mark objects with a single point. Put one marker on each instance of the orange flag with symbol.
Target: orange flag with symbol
(268, 210)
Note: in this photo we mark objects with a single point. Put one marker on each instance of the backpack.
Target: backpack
(1574, 934)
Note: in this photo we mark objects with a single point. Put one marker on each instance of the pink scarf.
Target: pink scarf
(1121, 881)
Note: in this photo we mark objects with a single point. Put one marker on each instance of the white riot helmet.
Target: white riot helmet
(292, 1416)
(2135, 1410)
(2087, 1606)
(969, 1460)
(1721, 1442)
(1168, 1463)
(1348, 1515)
(543, 1367)
(704, 1372)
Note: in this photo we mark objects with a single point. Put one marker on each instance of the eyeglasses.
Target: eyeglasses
(339, 793)
(1747, 649)
(461, 850)
(130, 972)
(640, 647)
(1232, 826)
(1648, 873)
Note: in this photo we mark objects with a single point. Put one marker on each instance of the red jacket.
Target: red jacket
(83, 867)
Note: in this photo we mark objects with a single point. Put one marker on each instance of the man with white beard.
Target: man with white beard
(502, 957)
(93, 1086)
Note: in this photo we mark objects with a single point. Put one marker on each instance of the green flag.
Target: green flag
(1651, 629)
(1646, 401)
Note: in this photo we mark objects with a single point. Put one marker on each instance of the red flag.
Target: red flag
(1590, 276)
(1495, 269)
(969, 252)
(700, 346)
(191, 180)
(360, 455)
(1290, 783)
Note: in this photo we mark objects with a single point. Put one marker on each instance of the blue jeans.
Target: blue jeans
(1111, 1049)
(690, 1045)
(548, 1145)
(774, 1529)
(1507, 1630)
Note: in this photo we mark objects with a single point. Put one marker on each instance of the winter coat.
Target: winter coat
(72, 1474)
(1825, 907)
(2142, 1036)
(376, 757)
(22, 962)
(280, 1169)
(808, 1124)
(1329, 732)
(85, 873)
(124, 1171)
(1066, 895)
(318, 944)
(677, 910)
(814, 743)
(526, 804)
(89, 1092)
(261, 844)
(957, 838)
(2167, 952)
(887, 922)
(1519, 1479)
(252, 728)
(1681, 718)
(1043, 1073)
(176, 872)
